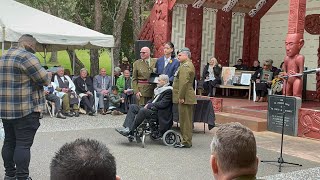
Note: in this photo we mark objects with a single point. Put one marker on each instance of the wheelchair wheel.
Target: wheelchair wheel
(143, 140)
(169, 138)
(130, 138)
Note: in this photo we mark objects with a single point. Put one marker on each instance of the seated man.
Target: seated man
(82, 160)
(48, 90)
(66, 91)
(234, 153)
(102, 84)
(84, 88)
(161, 105)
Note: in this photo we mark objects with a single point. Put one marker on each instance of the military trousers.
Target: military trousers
(185, 120)
(66, 104)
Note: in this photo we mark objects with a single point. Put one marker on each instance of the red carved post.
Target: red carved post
(194, 35)
(294, 62)
(223, 35)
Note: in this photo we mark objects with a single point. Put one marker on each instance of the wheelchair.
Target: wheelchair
(150, 127)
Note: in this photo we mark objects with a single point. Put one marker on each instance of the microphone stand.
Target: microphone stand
(280, 160)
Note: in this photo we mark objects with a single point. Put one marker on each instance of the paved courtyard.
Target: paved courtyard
(157, 161)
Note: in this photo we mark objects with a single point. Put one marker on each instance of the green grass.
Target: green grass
(83, 55)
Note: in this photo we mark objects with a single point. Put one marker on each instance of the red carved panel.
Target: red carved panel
(297, 13)
(223, 35)
(171, 4)
(147, 30)
(318, 74)
(309, 123)
(194, 35)
(254, 40)
(169, 26)
(312, 24)
(247, 40)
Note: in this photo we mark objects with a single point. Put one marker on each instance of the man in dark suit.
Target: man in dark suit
(167, 64)
(159, 107)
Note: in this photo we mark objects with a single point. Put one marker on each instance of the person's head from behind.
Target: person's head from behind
(163, 80)
(256, 63)
(28, 42)
(239, 62)
(114, 90)
(233, 152)
(83, 159)
(126, 73)
(213, 61)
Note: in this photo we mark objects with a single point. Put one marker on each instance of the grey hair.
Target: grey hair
(188, 53)
(60, 68)
(164, 77)
(83, 69)
(234, 146)
(117, 69)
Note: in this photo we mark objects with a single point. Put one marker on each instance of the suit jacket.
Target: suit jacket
(183, 83)
(216, 71)
(170, 69)
(80, 85)
(163, 106)
(97, 83)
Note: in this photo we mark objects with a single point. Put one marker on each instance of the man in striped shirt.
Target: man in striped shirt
(21, 100)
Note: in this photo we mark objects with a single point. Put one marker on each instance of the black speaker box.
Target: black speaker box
(140, 44)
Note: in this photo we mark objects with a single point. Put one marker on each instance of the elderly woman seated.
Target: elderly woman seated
(263, 79)
(161, 105)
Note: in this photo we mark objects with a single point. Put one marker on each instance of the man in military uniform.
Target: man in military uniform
(183, 94)
(142, 69)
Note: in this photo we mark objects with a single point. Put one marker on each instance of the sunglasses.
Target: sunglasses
(143, 52)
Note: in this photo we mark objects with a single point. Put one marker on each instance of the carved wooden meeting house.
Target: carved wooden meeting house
(241, 29)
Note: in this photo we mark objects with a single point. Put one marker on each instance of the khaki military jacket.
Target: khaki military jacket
(183, 83)
(141, 72)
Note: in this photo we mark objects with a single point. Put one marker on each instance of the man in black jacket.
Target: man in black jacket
(159, 107)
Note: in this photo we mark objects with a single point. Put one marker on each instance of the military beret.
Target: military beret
(185, 49)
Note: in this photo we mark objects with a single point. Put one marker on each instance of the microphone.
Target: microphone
(311, 71)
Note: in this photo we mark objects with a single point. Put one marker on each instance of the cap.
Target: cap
(185, 49)
(125, 59)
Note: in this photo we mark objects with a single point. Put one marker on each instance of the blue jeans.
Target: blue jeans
(19, 135)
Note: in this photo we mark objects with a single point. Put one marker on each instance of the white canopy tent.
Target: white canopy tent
(52, 33)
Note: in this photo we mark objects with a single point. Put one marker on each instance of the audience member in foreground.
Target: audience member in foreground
(83, 159)
(234, 153)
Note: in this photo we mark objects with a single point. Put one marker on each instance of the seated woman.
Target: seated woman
(124, 83)
(263, 78)
(84, 88)
(211, 75)
(161, 105)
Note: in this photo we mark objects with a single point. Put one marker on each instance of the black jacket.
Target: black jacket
(216, 71)
(80, 85)
(163, 106)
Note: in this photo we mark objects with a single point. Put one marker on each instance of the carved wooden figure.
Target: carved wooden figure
(294, 62)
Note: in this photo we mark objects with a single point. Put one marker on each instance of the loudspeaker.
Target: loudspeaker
(140, 44)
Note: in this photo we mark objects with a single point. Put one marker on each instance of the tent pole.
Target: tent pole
(73, 61)
(45, 55)
(3, 36)
(112, 63)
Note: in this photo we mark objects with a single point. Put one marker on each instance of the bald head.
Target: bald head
(28, 42)
(145, 53)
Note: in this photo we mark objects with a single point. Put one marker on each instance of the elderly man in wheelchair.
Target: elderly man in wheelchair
(154, 118)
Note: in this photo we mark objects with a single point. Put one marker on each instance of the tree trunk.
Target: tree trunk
(78, 64)
(94, 54)
(54, 57)
(117, 28)
(136, 13)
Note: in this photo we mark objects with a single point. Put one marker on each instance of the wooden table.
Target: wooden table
(228, 87)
